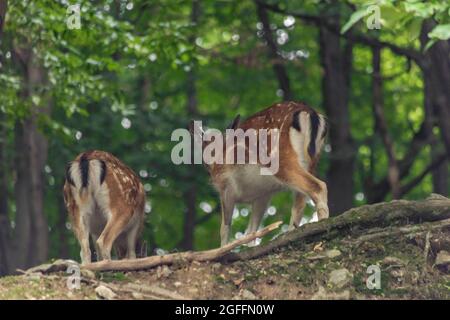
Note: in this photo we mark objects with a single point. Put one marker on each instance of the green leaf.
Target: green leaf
(414, 28)
(420, 9)
(354, 18)
(441, 32)
(429, 44)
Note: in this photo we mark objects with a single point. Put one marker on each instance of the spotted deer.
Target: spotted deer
(301, 136)
(105, 201)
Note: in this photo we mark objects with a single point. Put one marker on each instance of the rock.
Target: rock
(340, 278)
(322, 294)
(137, 295)
(443, 258)
(105, 292)
(34, 276)
(247, 295)
(398, 273)
(87, 274)
(163, 272)
(333, 253)
(216, 266)
(316, 257)
(318, 247)
(393, 261)
(177, 284)
(193, 290)
(436, 196)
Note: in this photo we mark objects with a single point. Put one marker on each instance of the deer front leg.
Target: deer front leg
(227, 204)
(297, 210)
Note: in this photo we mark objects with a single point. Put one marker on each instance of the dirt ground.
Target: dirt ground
(325, 270)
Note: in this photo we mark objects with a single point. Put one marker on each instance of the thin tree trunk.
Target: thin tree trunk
(31, 233)
(436, 69)
(335, 91)
(381, 124)
(277, 62)
(5, 227)
(190, 195)
(5, 244)
(63, 246)
(3, 9)
(440, 174)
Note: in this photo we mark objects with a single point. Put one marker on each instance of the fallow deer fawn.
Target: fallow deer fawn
(301, 135)
(105, 200)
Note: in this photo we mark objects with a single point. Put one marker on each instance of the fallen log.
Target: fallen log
(168, 259)
(154, 261)
(357, 222)
(363, 223)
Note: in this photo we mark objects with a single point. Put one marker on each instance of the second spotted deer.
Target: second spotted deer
(301, 131)
(105, 201)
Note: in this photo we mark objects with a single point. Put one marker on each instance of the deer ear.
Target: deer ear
(233, 125)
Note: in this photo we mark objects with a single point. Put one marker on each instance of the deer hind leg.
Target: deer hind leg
(227, 204)
(304, 182)
(82, 234)
(297, 210)
(114, 227)
(132, 236)
(259, 206)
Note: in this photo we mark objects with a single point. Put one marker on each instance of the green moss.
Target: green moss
(113, 276)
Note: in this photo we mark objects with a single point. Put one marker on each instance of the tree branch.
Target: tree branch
(381, 124)
(154, 261)
(278, 66)
(414, 182)
(356, 37)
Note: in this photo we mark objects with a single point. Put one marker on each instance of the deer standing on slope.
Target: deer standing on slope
(105, 200)
(302, 133)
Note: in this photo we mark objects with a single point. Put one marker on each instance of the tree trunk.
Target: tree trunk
(335, 90)
(3, 9)
(31, 233)
(436, 75)
(381, 124)
(440, 174)
(276, 60)
(5, 227)
(190, 195)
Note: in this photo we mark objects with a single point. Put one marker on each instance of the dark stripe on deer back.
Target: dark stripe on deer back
(325, 127)
(296, 121)
(68, 176)
(84, 170)
(103, 172)
(315, 122)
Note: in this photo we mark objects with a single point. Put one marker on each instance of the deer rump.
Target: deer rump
(100, 190)
(299, 125)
